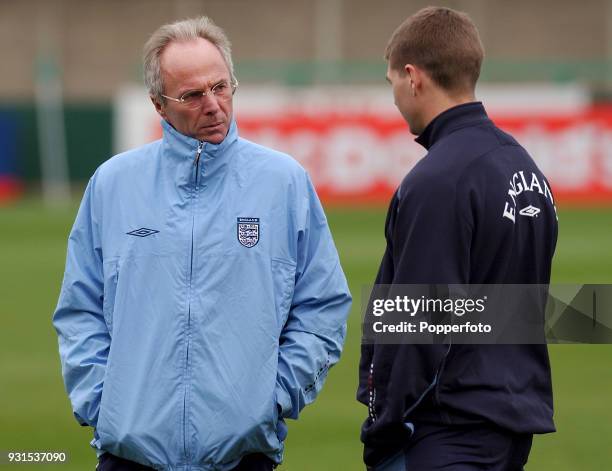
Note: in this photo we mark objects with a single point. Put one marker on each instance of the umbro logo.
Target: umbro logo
(530, 211)
(142, 232)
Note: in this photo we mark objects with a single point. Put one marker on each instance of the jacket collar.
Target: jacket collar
(451, 120)
(182, 146)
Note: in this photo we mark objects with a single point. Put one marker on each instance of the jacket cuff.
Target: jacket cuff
(283, 401)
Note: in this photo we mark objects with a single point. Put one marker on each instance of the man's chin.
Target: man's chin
(213, 136)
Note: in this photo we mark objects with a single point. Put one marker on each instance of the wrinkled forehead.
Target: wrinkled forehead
(192, 61)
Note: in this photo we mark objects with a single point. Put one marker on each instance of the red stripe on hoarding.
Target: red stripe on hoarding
(363, 157)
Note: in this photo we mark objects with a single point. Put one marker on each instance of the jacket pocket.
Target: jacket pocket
(281, 426)
(283, 277)
(101, 428)
(111, 279)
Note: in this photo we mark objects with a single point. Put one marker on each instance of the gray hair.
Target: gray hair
(186, 30)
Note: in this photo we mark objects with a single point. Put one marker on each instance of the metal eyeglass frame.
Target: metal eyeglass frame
(211, 92)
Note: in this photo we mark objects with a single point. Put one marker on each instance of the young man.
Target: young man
(203, 301)
(456, 218)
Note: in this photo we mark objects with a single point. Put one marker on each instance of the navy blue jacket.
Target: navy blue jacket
(459, 217)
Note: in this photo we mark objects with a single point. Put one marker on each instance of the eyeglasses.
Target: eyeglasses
(221, 91)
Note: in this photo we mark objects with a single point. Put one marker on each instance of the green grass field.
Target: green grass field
(35, 413)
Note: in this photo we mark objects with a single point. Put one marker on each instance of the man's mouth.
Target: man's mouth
(213, 125)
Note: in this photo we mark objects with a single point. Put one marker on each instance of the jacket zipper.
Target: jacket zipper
(371, 393)
(188, 331)
(436, 393)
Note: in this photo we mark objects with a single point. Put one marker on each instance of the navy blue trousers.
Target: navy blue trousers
(460, 448)
(254, 462)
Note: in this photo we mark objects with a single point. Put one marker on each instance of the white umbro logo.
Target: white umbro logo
(530, 211)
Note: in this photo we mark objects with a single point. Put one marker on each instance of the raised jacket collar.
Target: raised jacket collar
(179, 145)
(450, 120)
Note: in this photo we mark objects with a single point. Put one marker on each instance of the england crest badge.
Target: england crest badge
(248, 231)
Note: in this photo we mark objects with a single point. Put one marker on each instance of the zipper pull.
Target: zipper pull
(198, 153)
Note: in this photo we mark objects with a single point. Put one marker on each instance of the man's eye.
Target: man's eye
(220, 87)
(192, 95)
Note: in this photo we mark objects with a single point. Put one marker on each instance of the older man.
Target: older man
(203, 301)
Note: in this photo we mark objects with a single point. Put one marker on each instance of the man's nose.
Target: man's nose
(209, 104)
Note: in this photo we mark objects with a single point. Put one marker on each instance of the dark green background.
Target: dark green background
(88, 138)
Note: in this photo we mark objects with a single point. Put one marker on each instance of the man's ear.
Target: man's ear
(159, 107)
(415, 78)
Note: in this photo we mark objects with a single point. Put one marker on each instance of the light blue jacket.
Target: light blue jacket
(202, 303)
